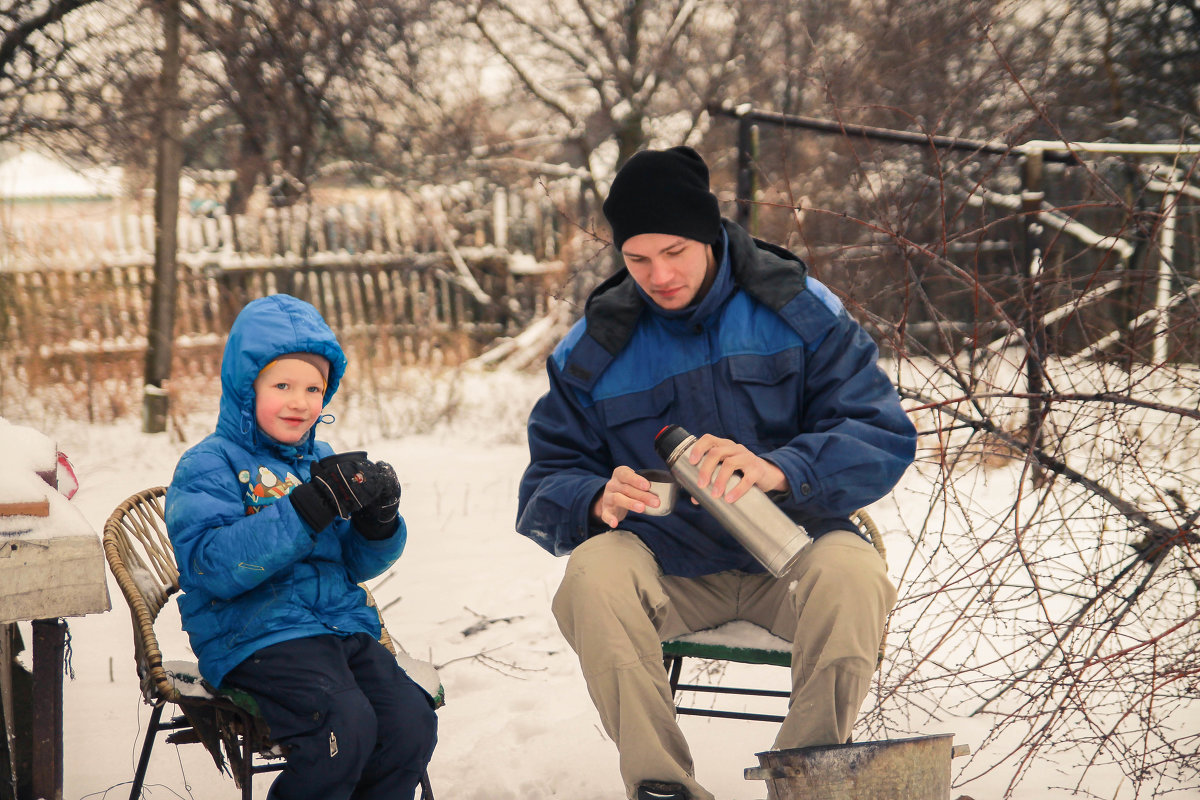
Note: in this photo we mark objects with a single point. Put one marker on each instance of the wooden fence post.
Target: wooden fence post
(747, 152)
(1032, 194)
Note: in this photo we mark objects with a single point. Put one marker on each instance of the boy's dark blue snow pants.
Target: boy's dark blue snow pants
(354, 724)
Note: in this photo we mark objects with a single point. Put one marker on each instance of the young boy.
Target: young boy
(272, 533)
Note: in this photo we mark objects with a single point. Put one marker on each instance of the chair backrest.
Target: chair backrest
(143, 562)
(868, 526)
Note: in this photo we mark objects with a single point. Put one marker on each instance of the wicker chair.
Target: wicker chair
(227, 723)
(726, 643)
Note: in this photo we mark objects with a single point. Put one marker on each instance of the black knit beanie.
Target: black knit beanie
(663, 191)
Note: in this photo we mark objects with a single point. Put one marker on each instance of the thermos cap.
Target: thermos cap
(668, 439)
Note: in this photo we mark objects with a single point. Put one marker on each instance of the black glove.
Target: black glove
(378, 519)
(338, 486)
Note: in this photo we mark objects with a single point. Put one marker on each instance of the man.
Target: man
(728, 337)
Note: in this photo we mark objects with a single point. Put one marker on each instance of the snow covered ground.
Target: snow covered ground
(469, 594)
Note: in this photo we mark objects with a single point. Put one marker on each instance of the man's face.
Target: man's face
(672, 270)
(288, 396)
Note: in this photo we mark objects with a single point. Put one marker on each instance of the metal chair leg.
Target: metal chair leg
(674, 665)
(144, 759)
(247, 765)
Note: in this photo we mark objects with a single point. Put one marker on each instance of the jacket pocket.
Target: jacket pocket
(636, 418)
(768, 392)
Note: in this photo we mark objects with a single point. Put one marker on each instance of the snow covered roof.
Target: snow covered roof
(31, 175)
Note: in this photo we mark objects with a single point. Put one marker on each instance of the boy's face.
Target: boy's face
(673, 270)
(289, 395)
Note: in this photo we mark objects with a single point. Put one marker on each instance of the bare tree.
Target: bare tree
(614, 76)
(44, 45)
(284, 87)
(1053, 581)
(1051, 577)
(1147, 62)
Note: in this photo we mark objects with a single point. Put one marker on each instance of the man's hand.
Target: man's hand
(625, 491)
(719, 458)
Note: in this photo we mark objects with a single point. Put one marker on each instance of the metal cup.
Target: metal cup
(663, 485)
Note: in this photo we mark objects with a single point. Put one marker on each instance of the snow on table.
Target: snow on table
(51, 562)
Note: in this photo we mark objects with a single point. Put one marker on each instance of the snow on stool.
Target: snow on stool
(738, 641)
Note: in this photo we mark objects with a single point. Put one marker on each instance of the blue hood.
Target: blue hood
(264, 330)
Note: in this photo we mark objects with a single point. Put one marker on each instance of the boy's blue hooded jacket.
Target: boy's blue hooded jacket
(252, 573)
(768, 358)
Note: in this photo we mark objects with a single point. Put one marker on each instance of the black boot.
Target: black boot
(657, 790)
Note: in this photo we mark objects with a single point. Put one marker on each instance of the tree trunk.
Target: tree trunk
(160, 337)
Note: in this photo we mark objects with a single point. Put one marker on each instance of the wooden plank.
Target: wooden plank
(31, 508)
(51, 577)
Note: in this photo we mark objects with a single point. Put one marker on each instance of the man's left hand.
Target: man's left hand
(719, 458)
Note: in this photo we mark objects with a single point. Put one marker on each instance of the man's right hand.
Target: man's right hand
(625, 491)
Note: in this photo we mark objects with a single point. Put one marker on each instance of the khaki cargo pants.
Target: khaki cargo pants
(615, 607)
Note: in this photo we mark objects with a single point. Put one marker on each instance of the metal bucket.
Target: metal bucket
(897, 769)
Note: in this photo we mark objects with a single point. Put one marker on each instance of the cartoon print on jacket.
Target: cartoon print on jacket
(267, 489)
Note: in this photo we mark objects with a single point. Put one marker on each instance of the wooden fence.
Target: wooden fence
(412, 281)
(536, 220)
(70, 317)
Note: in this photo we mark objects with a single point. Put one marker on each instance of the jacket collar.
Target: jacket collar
(770, 274)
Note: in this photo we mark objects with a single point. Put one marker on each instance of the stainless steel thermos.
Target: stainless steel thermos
(755, 521)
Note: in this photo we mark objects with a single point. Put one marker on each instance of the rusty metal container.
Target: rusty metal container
(896, 769)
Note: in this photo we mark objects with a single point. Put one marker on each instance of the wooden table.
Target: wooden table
(51, 567)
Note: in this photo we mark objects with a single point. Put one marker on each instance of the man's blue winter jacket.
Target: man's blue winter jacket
(252, 573)
(768, 358)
